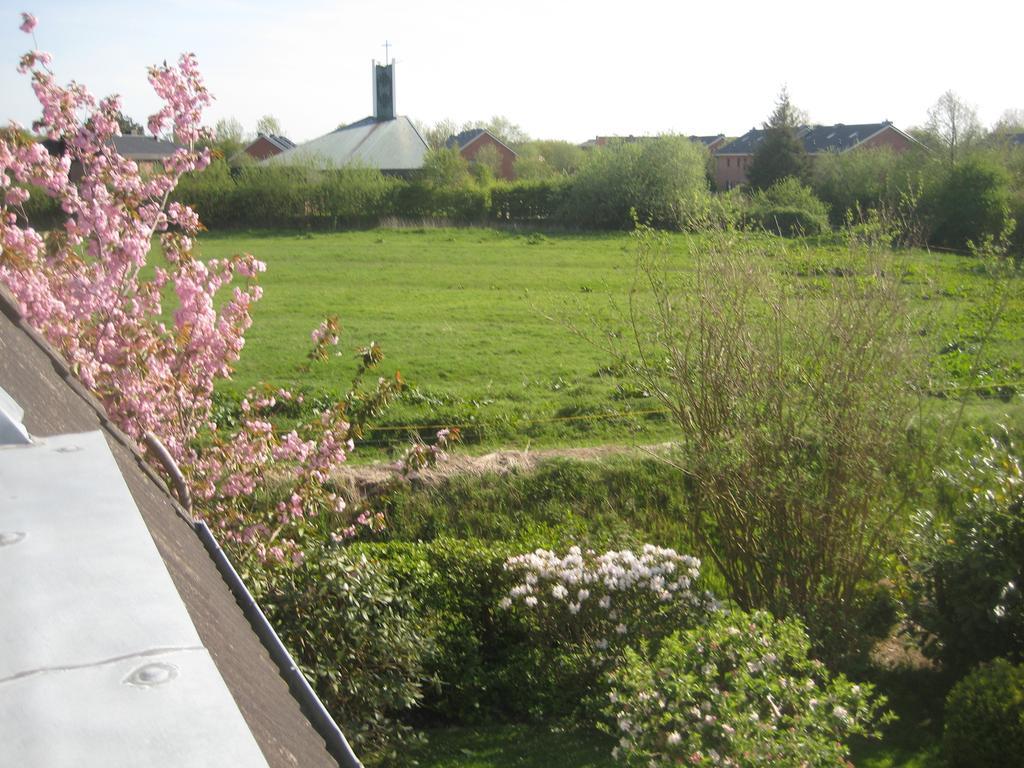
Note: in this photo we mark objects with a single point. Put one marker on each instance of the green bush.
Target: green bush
(984, 725)
(526, 201)
(590, 606)
(482, 660)
(787, 208)
(269, 195)
(658, 179)
(968, 202)
(740, 690)
(968, 567)
(357, 634)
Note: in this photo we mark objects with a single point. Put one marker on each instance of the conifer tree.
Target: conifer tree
(781, 152)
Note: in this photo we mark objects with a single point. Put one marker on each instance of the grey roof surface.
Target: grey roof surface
(816, 138)
(100, 662)
(389, 145)
(462, 139)
(281, 142)
(707, 140)
(144, 147)
(55, 403)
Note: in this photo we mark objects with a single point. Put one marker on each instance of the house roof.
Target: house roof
(465, 138)
(460, 140)
(144, 147)
(281, 142)
(815, 138)
(389, 145)
(707, 140)
(73, 427)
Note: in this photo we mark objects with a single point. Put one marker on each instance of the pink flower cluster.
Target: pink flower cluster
(84, 284)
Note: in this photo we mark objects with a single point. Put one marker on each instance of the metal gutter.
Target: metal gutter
(318, 715)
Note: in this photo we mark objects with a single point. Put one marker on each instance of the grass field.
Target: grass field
(466, 316)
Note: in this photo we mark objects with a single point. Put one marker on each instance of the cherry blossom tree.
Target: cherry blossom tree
(151, 342)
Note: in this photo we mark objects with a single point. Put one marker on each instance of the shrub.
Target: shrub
(478, 660)
(787, 208)
(969, 202)
(269, 195)
(793, 404)
(590, 607)
(740, 690)
(985, 718)
(969, 564)
(358, 638)
(658, 179)
(529, 200)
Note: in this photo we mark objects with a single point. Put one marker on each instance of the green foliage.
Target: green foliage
(787, 208)
(739, 690)
(852, 183)
(781, 153)
(445, 167)
(985, 718)
(286, 196)
(969, 202)
(794, 418)
(486, 663)
(529, 200)
(539, 160)
(968, 567)
(656, 181)
(358, 636)
(617, 502)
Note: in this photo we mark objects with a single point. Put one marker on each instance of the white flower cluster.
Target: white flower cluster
(604, 580)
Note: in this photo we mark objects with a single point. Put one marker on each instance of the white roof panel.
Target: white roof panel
(100, 663)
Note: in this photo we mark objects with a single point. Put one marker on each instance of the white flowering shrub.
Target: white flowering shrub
(739, 690)
(587, 607)
(610, 599)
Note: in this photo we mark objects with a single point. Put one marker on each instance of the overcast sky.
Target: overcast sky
(561, 69)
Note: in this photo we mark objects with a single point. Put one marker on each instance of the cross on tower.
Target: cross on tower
(387, 48)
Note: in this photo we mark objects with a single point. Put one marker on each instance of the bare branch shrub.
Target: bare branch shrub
(794, 395)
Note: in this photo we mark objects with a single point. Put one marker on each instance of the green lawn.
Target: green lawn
(466, 316)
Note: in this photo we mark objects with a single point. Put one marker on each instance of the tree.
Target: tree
(504, 130)
(88, 287)
(781, 152)
(954, 124)
(544, 159)
(1011, 121)
(268, 125)
(127, 126)
(228, 137)
(437, 135)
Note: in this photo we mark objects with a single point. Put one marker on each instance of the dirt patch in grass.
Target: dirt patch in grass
(366, 480)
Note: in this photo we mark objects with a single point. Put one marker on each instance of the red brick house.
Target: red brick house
(470, 142)
(267, 145)
(733, 160)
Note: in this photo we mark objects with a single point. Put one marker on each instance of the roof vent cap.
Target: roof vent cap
(12, 431)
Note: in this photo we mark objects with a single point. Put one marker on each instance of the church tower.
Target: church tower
(384, 91)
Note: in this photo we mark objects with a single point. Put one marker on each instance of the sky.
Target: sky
(561, 69)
